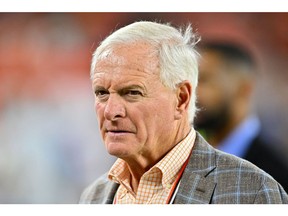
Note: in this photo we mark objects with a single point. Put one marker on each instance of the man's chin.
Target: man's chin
(117, 149)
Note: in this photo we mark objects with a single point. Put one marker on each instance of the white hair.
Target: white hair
(175, 49)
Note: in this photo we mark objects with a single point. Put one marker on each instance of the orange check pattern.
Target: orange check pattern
(156, 183)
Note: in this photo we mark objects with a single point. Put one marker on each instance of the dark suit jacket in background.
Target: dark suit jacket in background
(265, 157)
(211, 176)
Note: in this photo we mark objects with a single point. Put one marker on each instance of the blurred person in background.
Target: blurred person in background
(227, 75)
(144, 77)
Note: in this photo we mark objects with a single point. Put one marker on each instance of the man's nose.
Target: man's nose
(114, 108)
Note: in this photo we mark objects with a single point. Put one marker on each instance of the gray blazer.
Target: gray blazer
(211, 176)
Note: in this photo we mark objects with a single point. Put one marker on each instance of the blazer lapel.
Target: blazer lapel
(103, 194)
(112, 193)
(196, 186)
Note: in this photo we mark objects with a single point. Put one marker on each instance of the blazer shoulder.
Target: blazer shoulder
(98, 191)
(223, 161)
(237, 180)
(253, 185)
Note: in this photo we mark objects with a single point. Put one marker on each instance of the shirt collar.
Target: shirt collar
(169, 166)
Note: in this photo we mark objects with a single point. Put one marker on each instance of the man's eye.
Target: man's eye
(101, 93)
(134, 93)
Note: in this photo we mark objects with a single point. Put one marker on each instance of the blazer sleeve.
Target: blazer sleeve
(271, 193)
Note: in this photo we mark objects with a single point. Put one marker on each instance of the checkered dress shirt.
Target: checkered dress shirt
(155, 185)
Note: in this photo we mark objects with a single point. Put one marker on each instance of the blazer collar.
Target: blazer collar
(112, 193)
(196, 185)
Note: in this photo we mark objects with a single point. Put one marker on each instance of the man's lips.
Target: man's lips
(118, 131)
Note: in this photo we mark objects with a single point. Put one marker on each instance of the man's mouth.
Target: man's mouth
(118, 131)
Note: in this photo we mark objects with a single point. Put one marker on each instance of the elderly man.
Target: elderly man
(144, 77)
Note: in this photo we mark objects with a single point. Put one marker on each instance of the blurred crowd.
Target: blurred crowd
(50, 146)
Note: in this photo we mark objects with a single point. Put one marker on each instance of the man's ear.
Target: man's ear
(184, 91)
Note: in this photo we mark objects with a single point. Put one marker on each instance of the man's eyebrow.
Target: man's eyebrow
(124, 88)
(133, 87)
(98, 88)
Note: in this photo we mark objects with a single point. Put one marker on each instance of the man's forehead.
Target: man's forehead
(125, 61)
(136, 51)
(122, 76)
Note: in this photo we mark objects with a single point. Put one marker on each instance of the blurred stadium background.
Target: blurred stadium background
(50, 147)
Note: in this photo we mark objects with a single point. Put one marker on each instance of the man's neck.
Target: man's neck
(141, 164)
